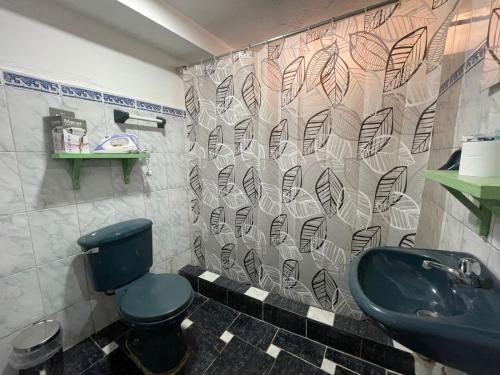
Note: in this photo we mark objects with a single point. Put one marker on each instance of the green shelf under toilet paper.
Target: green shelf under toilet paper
(485, 190)
(75, 161)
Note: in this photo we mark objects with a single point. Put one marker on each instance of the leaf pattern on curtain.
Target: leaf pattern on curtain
(373, 127)
(405, 58)
(335, 78)
(278, 139)
(292, 81)
(368, 51)
(224, 95)
(423, 132)
(307, 151)
(251, 94)
(376, 17)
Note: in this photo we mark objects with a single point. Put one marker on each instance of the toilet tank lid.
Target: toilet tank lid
(113, 232)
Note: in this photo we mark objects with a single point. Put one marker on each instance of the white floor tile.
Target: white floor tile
(273, 351)
(110, 347)
(186, 323)
(209, 276)
(397, 345)
(321, 315)
(328, 366)
(257, 293)
(226, 336)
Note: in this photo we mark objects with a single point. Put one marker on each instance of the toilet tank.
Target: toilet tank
(119, 253)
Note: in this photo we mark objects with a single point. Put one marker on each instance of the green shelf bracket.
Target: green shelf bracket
(127, 165)
(75, 163)
(482, 212)
(74, 172)
(485, 190)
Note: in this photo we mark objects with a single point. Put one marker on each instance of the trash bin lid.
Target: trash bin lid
(36, 336)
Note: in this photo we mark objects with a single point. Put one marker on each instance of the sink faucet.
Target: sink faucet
(468, 270)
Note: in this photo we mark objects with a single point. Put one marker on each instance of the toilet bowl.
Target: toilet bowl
(153, 305)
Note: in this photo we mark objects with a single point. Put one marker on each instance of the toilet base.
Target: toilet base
(157, 351)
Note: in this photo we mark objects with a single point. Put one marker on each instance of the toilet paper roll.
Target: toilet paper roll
(480, 159)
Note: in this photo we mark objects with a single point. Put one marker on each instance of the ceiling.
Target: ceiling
(243, 22)
(186, 31)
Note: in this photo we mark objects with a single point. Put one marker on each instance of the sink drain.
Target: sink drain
(427, 313)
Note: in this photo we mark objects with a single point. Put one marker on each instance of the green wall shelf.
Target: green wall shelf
(75, 161)
(486, 190)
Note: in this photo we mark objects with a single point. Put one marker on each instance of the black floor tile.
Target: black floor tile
(287, 364)
(214, 317)
(334, 337)
(197, 302)
(191, 273)
(240, 358)
(244, 303)
(308, 350)
(287, 304)
(116, 363)
(203, 348)
(390, 358)
(343, 371)
(364, 328)
(353, 363)
(254, 331)
(81, 356)
(213, 291)
(231, 284)
(110, 333)
(285, 319)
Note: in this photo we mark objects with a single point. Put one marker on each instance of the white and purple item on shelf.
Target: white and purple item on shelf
(118, 143)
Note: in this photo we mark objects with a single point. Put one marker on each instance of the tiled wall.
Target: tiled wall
(462, 108)
(42, 270)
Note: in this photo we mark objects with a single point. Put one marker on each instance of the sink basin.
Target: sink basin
(427, 310)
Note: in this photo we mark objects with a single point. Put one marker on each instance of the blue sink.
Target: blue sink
(427, 310)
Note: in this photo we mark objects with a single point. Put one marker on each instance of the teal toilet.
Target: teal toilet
(153, 305)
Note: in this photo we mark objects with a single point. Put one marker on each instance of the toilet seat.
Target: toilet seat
(154, 298)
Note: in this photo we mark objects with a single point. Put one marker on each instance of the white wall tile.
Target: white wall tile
(158, 179)
(76, 323)
(11, 199)
(20, 301)
(179, 206)
(177, 169)
(151, 138)
(17, 252)
(451, 233)
(182, 259)
(98, 214)
(176, 140)
(179, 238)
(475, 245)
(494, 262)
(136, 178)
(157, 207)
(27, 110)
(46, 182)
(54, 232)
(104, 310)
(63, 283)
(6, 139)
(95, 181)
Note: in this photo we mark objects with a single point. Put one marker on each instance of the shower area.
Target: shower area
(309, 148)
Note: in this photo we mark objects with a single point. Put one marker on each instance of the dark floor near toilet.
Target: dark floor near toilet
(222, 341)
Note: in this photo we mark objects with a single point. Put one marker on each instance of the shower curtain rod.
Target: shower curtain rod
(292, 33)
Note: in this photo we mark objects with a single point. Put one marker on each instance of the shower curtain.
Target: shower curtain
(309, 150)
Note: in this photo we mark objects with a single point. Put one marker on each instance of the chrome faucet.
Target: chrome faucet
(468, 270)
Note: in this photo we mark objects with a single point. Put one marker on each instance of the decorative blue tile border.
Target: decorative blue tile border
(173, 111)
(148, 106)
(80, 93)
(475, 58)
(119, 100)
(32, 83)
